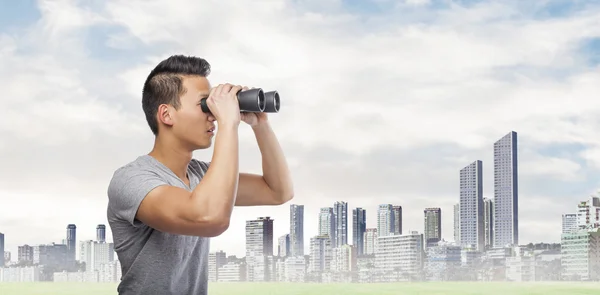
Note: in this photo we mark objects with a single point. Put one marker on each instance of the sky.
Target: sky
(382, 102)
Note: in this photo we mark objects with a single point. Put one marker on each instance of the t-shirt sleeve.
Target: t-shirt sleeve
(128, 187)
(201, 166)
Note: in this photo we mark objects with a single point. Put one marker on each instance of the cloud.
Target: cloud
(376, 108)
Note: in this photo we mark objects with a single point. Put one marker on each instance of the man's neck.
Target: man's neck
(174, 157)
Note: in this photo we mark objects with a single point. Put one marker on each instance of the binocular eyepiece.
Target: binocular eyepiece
(253, 101)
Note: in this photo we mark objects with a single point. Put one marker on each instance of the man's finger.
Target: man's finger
(226, 88)
(213, 91)
(236, 89)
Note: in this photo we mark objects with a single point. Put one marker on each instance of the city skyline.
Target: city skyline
(406, 256)
(381, 114)
(472, 178)
(259, 238)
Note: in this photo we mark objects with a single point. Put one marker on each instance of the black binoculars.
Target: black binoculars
(253, 101)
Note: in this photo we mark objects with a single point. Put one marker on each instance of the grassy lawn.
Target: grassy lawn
(431, 288)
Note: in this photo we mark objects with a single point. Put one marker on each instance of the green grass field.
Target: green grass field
(431, 288)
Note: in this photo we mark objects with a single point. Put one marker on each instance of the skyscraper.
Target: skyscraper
(359, 227)
(457, 223)
(259, 236)
(506, 191)
(2, 262)
(488, 222)
(259, 245)
(471, 206)
(432, 225)
(385, 220)
(370, 241)
(283, 249)
(296, 230)
(569, 223)
(327, 225)
(101, 233)
(72, 242)
(397, 213)
(340, 209)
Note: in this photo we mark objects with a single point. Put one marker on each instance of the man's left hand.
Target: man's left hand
(253, 119)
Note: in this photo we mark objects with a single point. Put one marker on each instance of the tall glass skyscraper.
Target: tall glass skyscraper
(340, 210)
(359, 227)
(296, 230)
(506, 191)
(471, 206)
(72, 242)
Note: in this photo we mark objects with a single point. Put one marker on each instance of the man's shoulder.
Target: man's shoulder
(137, 172)
(139, 165)
(129, 185)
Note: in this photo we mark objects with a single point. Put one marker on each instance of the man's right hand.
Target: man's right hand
(224, 105)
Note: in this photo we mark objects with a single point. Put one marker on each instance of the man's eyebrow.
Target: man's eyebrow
(203, 95)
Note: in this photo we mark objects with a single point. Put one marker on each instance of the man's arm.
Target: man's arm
(275, 186)
(139, 195)
(206, 211)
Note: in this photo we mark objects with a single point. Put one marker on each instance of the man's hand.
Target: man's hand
(223, 104)
(253, 119)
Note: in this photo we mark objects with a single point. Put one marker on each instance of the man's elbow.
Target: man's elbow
(213, 226)
(283, 198)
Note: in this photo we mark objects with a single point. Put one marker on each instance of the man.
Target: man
(164, 206)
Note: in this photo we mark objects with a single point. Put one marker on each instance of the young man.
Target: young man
(164, 206)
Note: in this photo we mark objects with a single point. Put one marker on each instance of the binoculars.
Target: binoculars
(253, 101)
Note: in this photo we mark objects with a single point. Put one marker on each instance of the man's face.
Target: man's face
(190, 124)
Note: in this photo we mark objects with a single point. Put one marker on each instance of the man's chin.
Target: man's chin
(205, 145)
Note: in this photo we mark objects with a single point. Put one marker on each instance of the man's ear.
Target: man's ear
(165, 114)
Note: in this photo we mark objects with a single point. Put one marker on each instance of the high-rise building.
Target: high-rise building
(385, 220)
(2, 262)
(72, 241)
(340, 210)
(432, 233)
(284, 246)
(569, 223)
(296, 230)
(370, 241)
(25, 254)
(259, 236)
(397, 213)
(320, 254)
(327, 226)
(457, 223)
(405, 252)
(95, 254)
(506, 191)
(216, 260)
(259, 246)
(471, 206)
(488, 221)
(101, 233)
(580, 257)
(359, 227)
(588, 213)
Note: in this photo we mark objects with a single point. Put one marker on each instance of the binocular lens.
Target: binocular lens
(272, 102)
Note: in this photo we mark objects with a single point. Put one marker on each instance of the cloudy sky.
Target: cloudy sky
(382, 102)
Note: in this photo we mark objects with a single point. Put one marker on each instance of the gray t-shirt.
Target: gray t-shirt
(154, 262)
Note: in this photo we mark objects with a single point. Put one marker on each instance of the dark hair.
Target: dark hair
(164, 84)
